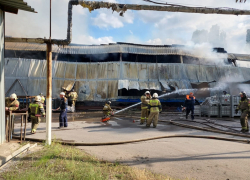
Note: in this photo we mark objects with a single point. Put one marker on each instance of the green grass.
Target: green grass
(57, 162)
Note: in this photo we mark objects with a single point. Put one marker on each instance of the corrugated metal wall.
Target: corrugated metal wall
(2, 96)
(100, 81)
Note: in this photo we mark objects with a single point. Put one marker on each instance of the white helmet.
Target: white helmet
(13, 96)
(109, 102)
(38, 98)
(147, 92)
(62, 93)
(155, 95)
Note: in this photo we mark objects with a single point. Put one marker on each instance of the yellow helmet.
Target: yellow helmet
(38, 98)
(13, 96)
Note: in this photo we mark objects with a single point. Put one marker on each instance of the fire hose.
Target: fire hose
(158, 137)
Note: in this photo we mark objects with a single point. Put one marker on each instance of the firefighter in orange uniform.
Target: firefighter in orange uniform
(189, 105)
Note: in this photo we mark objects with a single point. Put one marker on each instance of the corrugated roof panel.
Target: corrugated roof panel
(17, 4)
(152, 71)
(101, 90)
(70, 71)
(35, 69)
(57, 87)
(92, 70)
(113, 70)
(81, 71)
(130, 70)
(23, 68)
(68, 85)
(33, 87)
(7, 84)
(112, 89)
(10, 67)
(59, 68)
(142, 71)
(102, 71)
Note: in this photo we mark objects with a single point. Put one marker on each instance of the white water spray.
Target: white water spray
(174, 92)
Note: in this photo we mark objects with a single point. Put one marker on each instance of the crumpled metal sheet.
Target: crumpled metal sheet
(134, 85)
(123, 84)
(165, 85)
(68, 85)
(143, 85)
(154, 85)
(86, 90)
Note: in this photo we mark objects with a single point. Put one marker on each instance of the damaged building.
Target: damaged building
(120, 72)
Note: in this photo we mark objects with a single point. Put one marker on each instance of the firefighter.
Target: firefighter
(63, 121)
(154, 106)
(107, 109)
(189, 105)
(73, 96)
(35, 110)
(244, 106)
(42, 98)
(144, 106)
(225, 93)
(11, 103)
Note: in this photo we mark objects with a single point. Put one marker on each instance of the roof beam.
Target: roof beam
(17, 5)
(9, 9)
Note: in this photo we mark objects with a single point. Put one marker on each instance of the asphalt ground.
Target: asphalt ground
(181, 158)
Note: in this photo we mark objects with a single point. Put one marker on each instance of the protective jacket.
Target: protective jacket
(244, 104)
(42, 99)
(107, 108)
(63, 104)
(144, 101)
(36, 108)
(12, 105)
(73, 96)
(189, 102)
(154, 105)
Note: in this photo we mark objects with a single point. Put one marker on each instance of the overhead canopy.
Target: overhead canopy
(121, 48)
(12, 6)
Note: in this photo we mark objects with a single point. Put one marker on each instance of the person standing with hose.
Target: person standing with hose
(154, 106)
(144, 106)
(189, 105)
(244, 106)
